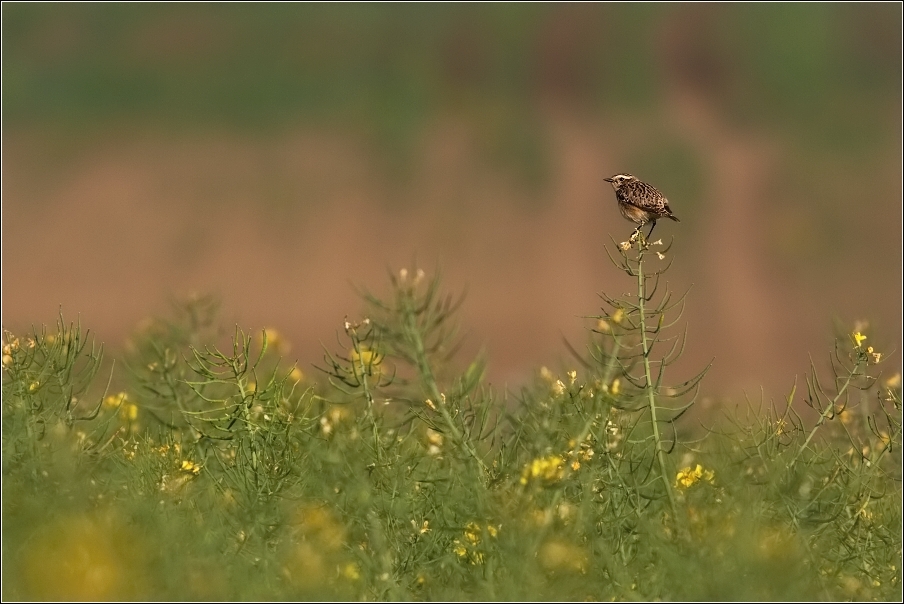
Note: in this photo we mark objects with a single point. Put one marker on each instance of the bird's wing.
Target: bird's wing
(622, 197)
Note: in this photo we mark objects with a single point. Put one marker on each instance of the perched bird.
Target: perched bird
(640, 202)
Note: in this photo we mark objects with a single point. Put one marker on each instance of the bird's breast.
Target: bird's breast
(633, 213)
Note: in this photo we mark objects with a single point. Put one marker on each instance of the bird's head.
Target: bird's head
(620, 179)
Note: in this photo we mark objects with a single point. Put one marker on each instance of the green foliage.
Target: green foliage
(222, 473)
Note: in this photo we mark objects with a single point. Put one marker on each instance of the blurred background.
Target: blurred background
(280, 156)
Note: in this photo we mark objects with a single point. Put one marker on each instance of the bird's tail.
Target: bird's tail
(673, 217)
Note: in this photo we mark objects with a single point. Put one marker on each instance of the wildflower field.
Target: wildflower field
(204, 465)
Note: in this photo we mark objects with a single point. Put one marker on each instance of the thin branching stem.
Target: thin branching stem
(830, 409)
(650, 390)
(429, 382)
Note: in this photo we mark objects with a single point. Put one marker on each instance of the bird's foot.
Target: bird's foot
(639, 238)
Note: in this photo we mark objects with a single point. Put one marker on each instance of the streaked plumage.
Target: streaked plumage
(640, 202)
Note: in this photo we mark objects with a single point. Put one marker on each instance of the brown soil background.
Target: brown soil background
(283, 226)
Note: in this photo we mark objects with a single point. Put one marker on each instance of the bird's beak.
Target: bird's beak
(608, 179)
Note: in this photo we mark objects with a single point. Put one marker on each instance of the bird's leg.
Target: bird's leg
(651, 229)
(635, 234)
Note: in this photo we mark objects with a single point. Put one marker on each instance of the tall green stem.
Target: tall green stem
(430, 385)
(362, 368)
(651, 395)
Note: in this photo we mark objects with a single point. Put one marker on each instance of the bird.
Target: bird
(640, 202)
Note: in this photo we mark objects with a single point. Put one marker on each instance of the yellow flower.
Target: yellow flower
(351, 571)
(115, 400)
(190, 467)
(858, 339)
(616, 387)
(369, 359)
(685, 478)
(128, 412)
(434, 442)
(688, 477)
(11, 345)
(434, 437)
(472, 533)
(618, 316)
(460, 550)
(469, 547)
(547, 469)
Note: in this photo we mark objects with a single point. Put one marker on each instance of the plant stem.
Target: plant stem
(828, 411)
(429, 382)
(369, 397)
(651, 395)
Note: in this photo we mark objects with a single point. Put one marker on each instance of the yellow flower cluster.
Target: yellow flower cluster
(11, 346)
(421, 529)
(350, 571)
(469, 547)
(434, 442)
(190, 467)
(602, 325)
(556, 386)
(547, 469)
(164, 449)
(578, 454)
(128, 411)
(688, 476)
(858, 338)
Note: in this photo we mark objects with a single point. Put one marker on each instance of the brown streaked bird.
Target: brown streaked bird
(639, 202)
